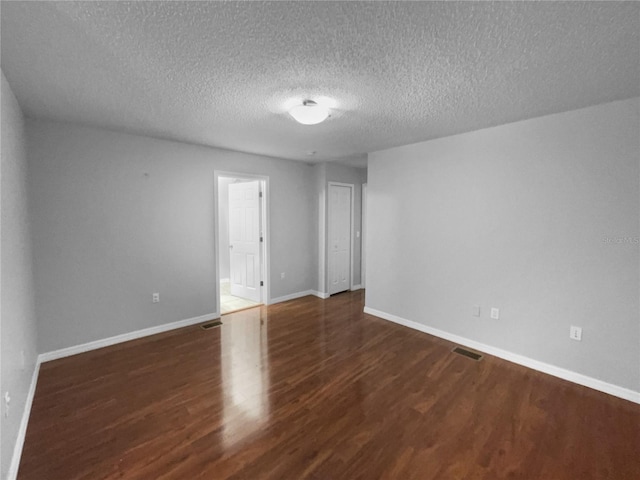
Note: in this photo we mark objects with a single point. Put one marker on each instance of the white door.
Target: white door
(244, 239)
(339, 238)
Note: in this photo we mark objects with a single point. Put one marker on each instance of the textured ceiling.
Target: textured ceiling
(220, 73)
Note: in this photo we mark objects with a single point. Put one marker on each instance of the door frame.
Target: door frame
(363, 240)
(265, 251)
(352, 243)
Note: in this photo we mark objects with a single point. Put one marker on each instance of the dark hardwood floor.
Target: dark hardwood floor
(316, 389)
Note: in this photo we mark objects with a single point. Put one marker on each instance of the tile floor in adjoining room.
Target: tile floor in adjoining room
(230, 303)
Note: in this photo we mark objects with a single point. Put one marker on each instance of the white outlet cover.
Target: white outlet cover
(575, 333)
(495, 313)
(7, 401)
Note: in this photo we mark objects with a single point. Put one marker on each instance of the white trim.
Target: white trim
(265, 253)
(352, 229)
(265, 292)
(352, 237)
(291, 296)
(85, 347)
(125, 337)
(559, 372)
(356, 287)
(363, 240)
(22, 431)
(322, 240)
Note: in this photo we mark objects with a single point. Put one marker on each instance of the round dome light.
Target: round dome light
(309, 113)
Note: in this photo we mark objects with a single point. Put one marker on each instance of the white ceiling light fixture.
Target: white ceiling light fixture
(309, 113)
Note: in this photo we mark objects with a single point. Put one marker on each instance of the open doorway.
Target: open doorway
(242, 253)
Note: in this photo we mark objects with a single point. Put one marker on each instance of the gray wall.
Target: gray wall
(527, 217)
(17, 314)
(332, 172)
(117, 217)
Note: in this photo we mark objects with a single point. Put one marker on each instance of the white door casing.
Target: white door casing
(339, 237)
(363, 249)
(244, 239)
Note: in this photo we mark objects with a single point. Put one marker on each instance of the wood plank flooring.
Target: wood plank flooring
(315, 389)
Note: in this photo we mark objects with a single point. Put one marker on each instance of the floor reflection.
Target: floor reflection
(245, 374)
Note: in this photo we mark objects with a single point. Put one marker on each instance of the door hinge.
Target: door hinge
(260, 194)
(261, 283)
(261, 239)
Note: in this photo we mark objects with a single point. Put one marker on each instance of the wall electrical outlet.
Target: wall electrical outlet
(155, 298)
(282, 276)
(575, 333)
(476, 310)
(495, 313)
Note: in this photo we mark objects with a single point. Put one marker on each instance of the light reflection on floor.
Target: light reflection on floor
(245, 374)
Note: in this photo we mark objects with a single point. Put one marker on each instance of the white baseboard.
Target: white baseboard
(292, 296)
(125, 337)
(559, 372)
(356, 287)
(85, 347)
(22, 430)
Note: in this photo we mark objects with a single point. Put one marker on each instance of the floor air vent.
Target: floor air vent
(209, 325)
(467, 353)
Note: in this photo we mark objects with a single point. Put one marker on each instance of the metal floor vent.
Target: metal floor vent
(467, 353)
(207, 326)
